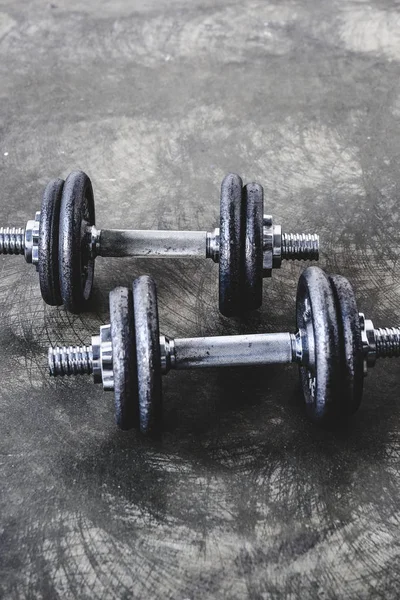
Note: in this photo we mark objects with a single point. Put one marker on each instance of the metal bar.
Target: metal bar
(234, 350)
(120, 242)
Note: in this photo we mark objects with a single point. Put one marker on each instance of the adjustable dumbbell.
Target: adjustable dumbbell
(63, 242)
(334, 345)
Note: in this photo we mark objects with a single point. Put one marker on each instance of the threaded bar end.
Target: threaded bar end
(387, 342)
(12, 240)
(300, 246)
(72, 360)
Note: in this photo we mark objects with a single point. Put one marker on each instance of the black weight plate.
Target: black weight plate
(48, 243)
(75, 263)
(231, 243)
(148, 355)
(124, 358)
(316, 315)
(251, 291)
(352, 360)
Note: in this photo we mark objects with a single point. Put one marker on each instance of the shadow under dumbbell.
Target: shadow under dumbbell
(262, 445)
(212, 395)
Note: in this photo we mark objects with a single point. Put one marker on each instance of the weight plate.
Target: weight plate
(48, 243)
(231, 243)
(75, 262)
(251, 294)
(352, 360)
(124, 358)
(148, 355)
(317, 320)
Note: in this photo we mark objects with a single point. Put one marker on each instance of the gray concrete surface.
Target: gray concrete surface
(157, 100)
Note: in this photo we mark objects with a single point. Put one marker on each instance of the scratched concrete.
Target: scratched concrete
(157, 100)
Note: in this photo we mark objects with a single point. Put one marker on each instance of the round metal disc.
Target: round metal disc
(251, 294)
(48, 243)
(148, 355)
(124, 358)
(75, 262)
(352, 360)
(231, 242)
(317, 321)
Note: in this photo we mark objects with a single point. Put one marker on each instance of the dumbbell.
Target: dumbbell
(334, 346)
(63, 242)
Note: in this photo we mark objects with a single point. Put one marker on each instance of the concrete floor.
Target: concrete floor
(157, 100)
